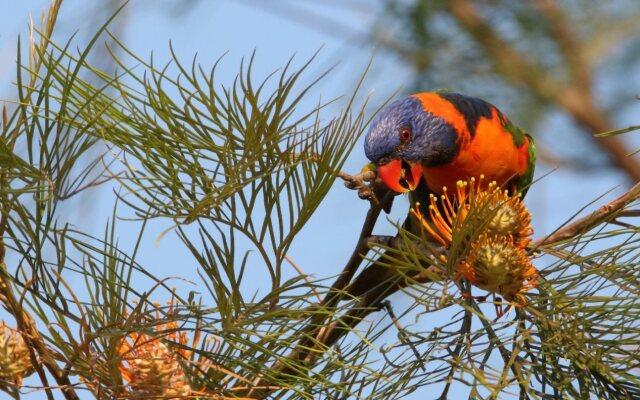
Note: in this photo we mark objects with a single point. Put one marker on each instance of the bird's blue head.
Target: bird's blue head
(403, 138)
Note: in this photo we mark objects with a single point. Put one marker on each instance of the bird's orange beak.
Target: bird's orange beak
(400, 176)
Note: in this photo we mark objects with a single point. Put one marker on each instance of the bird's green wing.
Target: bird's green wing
(524, 181)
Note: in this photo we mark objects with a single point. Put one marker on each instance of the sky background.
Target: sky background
(213, 28)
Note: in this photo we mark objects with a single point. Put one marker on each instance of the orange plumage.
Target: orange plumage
(489, 151)
(445, 137)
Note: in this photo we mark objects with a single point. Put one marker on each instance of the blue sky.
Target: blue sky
(237, 27)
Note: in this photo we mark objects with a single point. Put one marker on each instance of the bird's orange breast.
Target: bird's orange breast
(490, 152)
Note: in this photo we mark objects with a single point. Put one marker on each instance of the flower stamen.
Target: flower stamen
(494, 258)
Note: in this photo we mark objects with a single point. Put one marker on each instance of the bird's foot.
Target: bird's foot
(479, 299)
(362, 182)
(370, 187)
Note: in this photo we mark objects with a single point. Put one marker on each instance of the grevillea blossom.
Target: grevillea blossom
(15, 360)
(152, 365)
(495, 259)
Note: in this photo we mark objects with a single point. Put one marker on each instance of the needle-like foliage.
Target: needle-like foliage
(236, 170)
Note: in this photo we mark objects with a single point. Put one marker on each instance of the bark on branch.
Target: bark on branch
(592, 220)
(41, 354)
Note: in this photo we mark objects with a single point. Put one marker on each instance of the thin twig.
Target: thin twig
(362, 247)
(402, 334)
(316, 327)
(514, 363)
(587, 223)
(369, 302)
(304, 276)
(464, 331)
(628, 213)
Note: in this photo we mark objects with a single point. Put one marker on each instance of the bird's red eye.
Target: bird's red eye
(405, 133)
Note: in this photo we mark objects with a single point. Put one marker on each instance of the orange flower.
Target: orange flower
(151, 368)
(15, 361)
(152, 365)
(503, 214)
(447, 216)
(495, 260)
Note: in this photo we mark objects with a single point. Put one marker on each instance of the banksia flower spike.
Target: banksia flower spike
(152, 365)
(509, 216)
(15, 361)
(495, 260)
(448, 212)
(496, 264)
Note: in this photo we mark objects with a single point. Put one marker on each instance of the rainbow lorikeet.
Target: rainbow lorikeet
(426, 141)
(438, 138)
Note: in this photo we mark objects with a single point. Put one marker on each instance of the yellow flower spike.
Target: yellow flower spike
(448, 212)
(495, 260)
(151, 368)
(510, 216)
(15, 360)
(498, 265)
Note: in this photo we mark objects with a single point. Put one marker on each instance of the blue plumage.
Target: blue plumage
(433, 140)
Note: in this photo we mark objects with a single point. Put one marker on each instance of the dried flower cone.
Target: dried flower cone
(15, 361)
(496, 264)
(495, 260)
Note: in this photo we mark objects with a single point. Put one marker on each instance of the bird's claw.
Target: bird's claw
(365, 193)
(369, 187)
(360, 182)
(351, 185)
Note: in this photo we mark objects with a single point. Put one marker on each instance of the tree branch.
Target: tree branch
(571, 48)
(27, 327)
(590, 221)
(326, 334)
(306, 349)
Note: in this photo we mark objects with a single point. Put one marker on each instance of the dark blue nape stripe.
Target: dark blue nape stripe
(471, 108)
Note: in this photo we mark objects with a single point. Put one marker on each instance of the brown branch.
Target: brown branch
(507, 60)
(380, 287)
(308, 345)
(26, 325)
(589, 222)
(357, 256)
(575, 98)
(325, 336)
